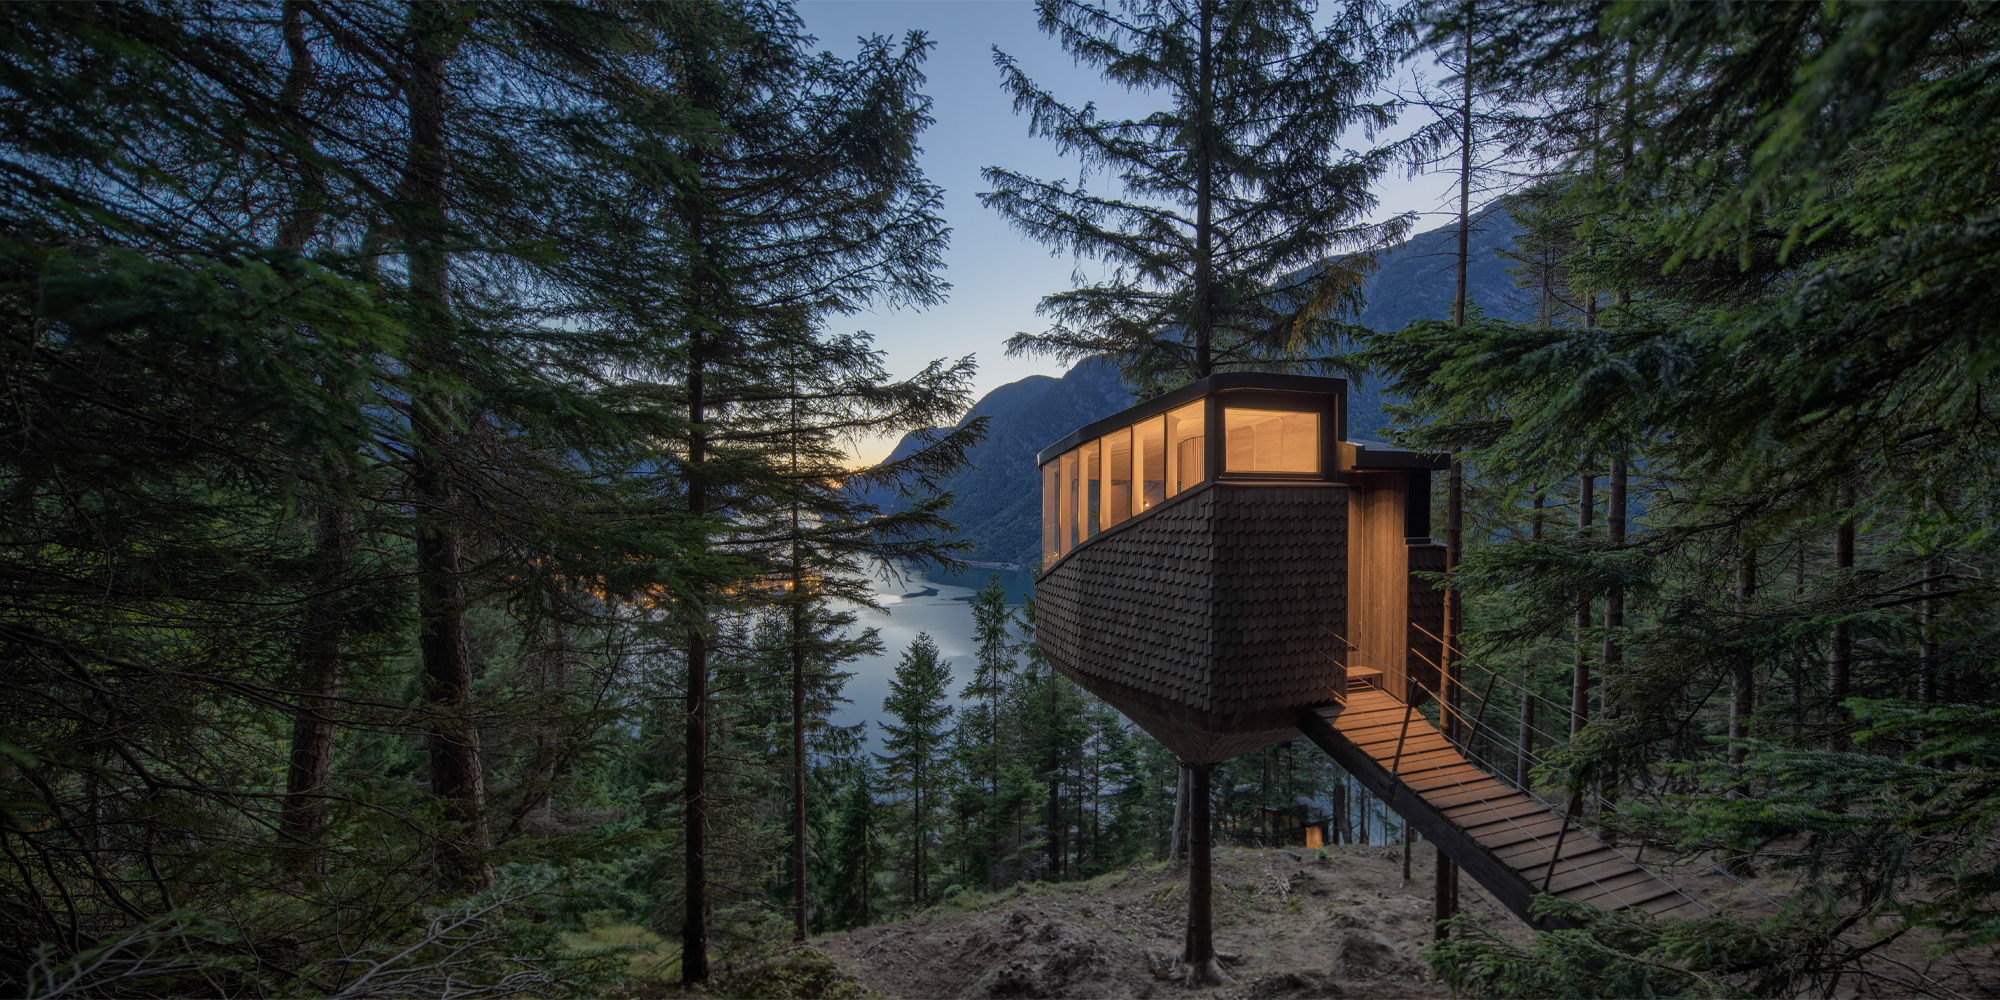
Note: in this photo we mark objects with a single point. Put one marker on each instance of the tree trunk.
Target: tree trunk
(1927, 648)
(1742, 690)
(1444, 902)
(694, 926)
(304, 813)
(1454, 551)
(1199, 955)
(1178, 847)
(456, 773)
(1464, 178)
(798, 755)
(917, 836)
(1203, 321)
(1840, 659)
(1614, 594)
(1579, 692)
(1454, 623)
(1525, 762)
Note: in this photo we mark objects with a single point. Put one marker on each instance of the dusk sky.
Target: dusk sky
(998, 275)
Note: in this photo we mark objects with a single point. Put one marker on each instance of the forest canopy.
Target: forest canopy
(427, 533)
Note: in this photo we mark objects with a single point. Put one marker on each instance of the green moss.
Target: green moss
(650, 957)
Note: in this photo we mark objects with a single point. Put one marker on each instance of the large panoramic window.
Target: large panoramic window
(1051, 549)
(1066, 496)
(1149, 451)
(1117, 476)
(1090, 502)
(1186, 432)
(1105, 481)
(1284, 441)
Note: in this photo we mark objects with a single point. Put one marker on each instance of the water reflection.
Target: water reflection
(929, 601)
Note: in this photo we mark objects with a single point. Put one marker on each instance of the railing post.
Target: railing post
(1479, 719)
(1409, 706)
(1575, 807)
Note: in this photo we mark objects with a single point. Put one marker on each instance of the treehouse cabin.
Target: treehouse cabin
(1225, 568)
(1221, 558)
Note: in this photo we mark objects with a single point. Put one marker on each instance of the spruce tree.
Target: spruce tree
(912, 748)
(1787, 351)
(807, 204)
(284, 364)
(1225, 211)
(985, 751)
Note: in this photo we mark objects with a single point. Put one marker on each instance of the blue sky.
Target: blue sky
(997, 275)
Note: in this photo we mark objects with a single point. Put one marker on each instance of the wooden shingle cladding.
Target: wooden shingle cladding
(1211, 620)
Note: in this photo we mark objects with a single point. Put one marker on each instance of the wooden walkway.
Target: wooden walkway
(1496, 833)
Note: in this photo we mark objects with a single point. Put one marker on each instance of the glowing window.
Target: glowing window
(1117, 476)
(1149, 455)
(1066, 500)
(1051, 549)
(1186, 434)
(1270, 441)
(1090, 496)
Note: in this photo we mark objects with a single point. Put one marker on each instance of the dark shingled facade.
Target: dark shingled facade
(1212, 619)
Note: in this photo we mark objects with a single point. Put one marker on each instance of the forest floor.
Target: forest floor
(1282, 920)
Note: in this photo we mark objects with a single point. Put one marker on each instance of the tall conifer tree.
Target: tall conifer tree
(1224, 210)
(806, 204)
(912, 748)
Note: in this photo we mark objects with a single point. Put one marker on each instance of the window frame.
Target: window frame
(1289, 402)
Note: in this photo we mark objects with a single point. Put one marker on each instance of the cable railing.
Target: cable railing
(1479, 797)
(1466, 746)
(1921, 983)
(1567, 711)
(1475, 723)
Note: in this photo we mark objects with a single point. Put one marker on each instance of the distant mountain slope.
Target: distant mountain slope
(1418, 279)
(999, 500)
(998, 504)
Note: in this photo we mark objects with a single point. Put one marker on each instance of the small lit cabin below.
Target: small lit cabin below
(1220, 558)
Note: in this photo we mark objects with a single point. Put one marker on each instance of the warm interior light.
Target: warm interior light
(1187, 429)
(1105, 481)
(1117, 447)
(1270, 440)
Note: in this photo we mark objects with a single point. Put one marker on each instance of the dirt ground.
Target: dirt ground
(1282, 920)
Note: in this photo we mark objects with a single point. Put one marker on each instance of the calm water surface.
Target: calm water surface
(937, 603)
(914, 601)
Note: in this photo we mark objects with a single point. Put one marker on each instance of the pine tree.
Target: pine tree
(253, 347)
(1231, 201)
(1766, 245)
(807, 204)
(912, 748)
(854, 849)
(985, 751)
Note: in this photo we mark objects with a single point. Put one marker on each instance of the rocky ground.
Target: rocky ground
(1339, 922)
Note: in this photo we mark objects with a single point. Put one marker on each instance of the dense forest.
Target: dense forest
(428, 527)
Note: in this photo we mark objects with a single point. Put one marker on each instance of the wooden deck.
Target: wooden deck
(1496, 833)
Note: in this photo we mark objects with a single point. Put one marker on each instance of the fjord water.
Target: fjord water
(912, 601)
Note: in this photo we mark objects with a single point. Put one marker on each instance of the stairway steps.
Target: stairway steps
(1498, 834)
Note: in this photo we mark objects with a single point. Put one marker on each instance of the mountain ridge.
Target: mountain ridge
(997, 499)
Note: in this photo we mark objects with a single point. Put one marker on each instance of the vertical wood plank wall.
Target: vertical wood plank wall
(1377, 575)
(1426, 603)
